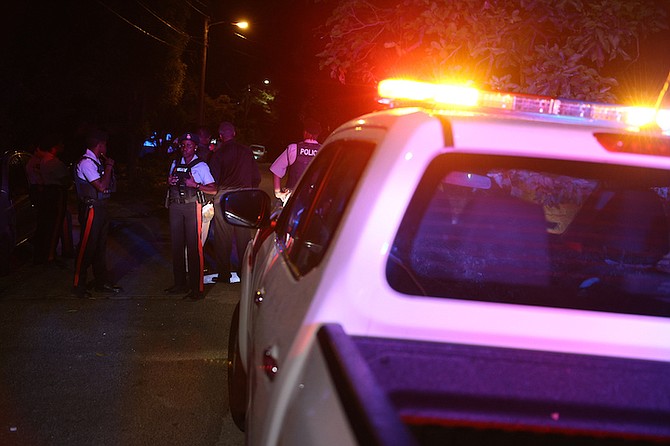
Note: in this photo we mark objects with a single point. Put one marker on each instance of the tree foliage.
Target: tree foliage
(551, 47)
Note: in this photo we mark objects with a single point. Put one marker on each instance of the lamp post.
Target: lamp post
(203, 69)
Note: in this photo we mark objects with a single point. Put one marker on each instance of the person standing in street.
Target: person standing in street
(35, 176)
(36, 191)
(295, 159)
(203, 152)
(189, 176)
(233, 167)
(94, 182)
(56, 180)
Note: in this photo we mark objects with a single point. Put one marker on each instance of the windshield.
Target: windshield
(537, 232)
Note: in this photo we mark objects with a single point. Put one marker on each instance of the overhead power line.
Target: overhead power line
(162, 20)
(137, 27)
(202, 3)
(196, 8)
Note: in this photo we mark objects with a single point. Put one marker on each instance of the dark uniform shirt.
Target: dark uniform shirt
(305, 153)
(233, 166)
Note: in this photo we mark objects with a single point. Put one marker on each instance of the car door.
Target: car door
(25, 216)
(18, 217)
(303, 234)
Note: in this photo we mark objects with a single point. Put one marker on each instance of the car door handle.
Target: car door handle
(270, 365)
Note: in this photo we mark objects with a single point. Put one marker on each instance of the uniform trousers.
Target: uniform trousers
(50, 214)
(185, 232)
(65, 237)
(94, 224)
(225, 237)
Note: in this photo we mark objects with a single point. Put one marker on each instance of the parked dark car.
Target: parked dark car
(18, 216)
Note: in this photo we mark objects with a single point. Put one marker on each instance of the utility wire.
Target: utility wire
(197, 9)
(165, 22)
(136, 26)
(202, 3)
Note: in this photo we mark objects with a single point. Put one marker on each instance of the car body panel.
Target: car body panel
(349, 285)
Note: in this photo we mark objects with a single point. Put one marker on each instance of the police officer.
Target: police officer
(295, 159)
(189, 177)
(94, 183)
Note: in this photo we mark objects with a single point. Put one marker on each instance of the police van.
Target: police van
(462, 266)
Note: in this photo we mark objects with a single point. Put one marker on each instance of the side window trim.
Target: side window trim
(281, 223)
(315, 211)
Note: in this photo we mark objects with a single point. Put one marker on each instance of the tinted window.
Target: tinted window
(18, 181)
(537, 232)
(306, 226)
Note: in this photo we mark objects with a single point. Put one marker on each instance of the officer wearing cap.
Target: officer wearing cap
(188, 178)
(94, 182)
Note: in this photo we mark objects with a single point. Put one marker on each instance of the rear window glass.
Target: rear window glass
(537, 232)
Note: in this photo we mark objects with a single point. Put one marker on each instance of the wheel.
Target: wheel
(237, 377)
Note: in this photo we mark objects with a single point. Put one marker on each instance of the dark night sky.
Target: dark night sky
(282, 45)
(56, 53)
(49, 48)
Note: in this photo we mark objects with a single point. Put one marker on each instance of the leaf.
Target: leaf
(541, 45)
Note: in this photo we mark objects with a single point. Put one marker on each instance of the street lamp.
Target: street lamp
(203, 69)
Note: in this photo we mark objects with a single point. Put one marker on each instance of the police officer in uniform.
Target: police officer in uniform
(295, 159)
(189, 177)
(94, 182)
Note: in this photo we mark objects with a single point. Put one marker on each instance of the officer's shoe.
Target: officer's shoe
(233, 278)
(176, 289)
(195, 295)
(108, 288)
(81, 293)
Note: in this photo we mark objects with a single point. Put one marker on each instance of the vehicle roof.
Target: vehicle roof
(513, 133)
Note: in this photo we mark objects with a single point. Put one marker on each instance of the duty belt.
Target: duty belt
(91, 201)
(183, 200)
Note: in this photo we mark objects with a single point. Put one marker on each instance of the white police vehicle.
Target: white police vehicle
(475, 266)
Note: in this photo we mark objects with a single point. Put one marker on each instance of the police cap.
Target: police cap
(189, 137)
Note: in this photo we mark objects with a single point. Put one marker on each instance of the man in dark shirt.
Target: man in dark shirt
(233, 166)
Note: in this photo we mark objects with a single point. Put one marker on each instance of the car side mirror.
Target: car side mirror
(249, 208)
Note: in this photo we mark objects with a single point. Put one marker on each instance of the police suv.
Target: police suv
(462, 267)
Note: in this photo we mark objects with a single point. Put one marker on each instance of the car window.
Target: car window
(537, 232)
(18, 180)
(306, 226)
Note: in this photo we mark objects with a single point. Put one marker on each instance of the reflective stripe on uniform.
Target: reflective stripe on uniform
(84, 242)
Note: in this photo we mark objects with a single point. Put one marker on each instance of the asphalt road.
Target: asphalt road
(141, 368)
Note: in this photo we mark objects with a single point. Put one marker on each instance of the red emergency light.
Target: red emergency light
(396, 92)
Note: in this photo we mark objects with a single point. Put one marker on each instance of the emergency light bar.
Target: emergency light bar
(399, 91)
